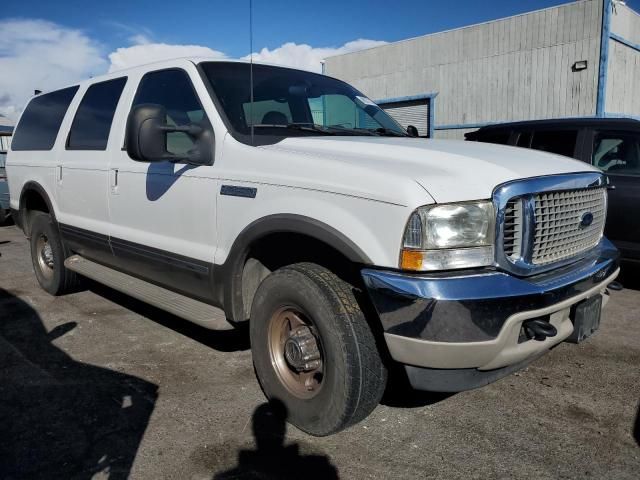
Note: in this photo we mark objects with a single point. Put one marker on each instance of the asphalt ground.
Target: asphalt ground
(98, 385)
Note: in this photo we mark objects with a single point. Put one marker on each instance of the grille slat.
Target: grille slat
(558, 233)
(512, 229)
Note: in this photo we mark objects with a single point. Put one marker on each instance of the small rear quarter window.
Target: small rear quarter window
(40, 123)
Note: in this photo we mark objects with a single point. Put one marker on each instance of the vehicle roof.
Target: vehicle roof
(566, 122)
(168, 63)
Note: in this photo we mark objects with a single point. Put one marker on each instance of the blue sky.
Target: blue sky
(222, 25)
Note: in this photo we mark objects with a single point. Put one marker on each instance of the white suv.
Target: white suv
(301, 207)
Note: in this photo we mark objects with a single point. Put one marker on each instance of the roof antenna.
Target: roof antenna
(251, 68)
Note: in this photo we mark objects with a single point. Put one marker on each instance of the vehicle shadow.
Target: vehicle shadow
(60, 418)
(629, 276)
(161, 176)
(400, 394)
(222, 340)
(271, 459)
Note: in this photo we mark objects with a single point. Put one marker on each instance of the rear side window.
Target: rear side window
(40, 122)
(501, 137)
(562, 142)
(524, 140)
(92, 123)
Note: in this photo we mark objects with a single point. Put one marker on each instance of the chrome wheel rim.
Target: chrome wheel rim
(44, 254)
(296, 352)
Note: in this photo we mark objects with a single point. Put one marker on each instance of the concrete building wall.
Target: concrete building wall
(623, 76)
(453, 134)
(516, 68)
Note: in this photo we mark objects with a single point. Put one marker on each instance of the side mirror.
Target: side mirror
(412, 131)
(146, 137)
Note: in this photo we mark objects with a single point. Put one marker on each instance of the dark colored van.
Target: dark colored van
(611, 144)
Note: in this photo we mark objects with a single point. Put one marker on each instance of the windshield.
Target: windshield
(289, 102)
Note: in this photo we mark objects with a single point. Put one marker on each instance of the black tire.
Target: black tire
(353, 375)
(3, 216)
(52, 277)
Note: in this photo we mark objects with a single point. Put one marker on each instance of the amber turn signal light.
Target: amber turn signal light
(411, 260)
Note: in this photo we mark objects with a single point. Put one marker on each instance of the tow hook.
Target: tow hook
(539, 329)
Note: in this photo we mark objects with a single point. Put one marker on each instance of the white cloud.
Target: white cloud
(126, 57)
(140, 39)
(36, 54)
(307, 57)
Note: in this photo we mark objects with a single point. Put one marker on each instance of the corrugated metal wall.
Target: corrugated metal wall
(511, 69)
(623, 79)
(414, 113)
(5, 142)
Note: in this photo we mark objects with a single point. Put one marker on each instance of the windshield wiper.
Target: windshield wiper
(387, 132)
(305, 127)
(325, 130)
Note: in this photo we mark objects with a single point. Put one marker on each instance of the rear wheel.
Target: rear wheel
(48, 256)
(313, 349)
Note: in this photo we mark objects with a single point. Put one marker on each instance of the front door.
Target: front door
(163, 224)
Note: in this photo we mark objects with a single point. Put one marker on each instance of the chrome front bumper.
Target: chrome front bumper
(463, 320)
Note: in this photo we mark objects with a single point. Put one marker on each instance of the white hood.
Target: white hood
(449, 170)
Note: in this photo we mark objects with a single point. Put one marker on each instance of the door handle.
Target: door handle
(59, 173)
(114, 181)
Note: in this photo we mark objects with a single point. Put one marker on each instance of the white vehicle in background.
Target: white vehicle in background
(304, 209)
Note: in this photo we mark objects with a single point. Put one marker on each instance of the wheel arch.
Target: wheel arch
(289, 226)
(33, 197)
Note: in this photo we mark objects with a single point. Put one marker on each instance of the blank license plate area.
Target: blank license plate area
(586, 318)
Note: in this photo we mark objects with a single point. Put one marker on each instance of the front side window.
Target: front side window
(40, 123)
(92, 123)
(617, 153)
(562, 142)
(288, 102)
(173, 90)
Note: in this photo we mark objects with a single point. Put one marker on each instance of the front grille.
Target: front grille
(559, 230)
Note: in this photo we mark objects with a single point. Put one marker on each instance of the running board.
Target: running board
(195, 311)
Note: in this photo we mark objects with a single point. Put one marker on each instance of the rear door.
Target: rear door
(617, 153)
(83, 173)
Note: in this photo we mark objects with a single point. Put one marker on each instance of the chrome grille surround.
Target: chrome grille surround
(538, 224)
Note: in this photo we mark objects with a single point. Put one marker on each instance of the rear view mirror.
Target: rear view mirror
(146, 137)
(412, 131)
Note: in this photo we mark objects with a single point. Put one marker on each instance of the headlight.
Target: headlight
(457, 235)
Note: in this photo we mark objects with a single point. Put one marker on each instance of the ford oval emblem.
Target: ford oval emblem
(586, 219)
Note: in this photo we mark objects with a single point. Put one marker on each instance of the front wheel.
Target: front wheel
(313, 349)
